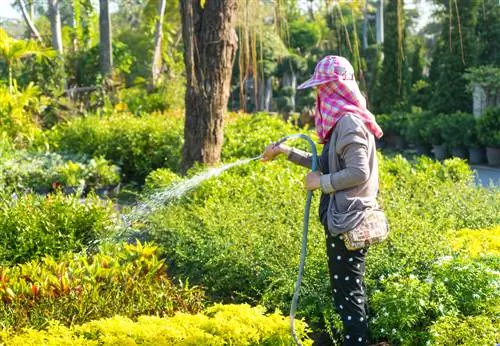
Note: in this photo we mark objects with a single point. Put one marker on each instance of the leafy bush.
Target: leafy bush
(477, 242)
(25, 170)
(393, 124)
(405, 307)
(33, 226)
(487, 128)
(219, 325)
(137, 144)
(246, 135)
(18, 114)
(125, 279)
(470, 330)
(160, 178)
(415, 130)
(473, 284)
(459, 130)
(433, 132)
(239, 235)
(139, 101)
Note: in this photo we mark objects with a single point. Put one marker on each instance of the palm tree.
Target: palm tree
(12, 51)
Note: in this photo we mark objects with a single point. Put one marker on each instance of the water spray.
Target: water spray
(303, 250)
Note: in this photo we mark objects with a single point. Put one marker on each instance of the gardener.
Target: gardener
(348, 180)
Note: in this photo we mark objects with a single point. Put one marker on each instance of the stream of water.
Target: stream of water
(161, 198)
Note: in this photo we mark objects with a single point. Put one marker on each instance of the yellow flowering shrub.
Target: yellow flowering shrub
(218, 325)
(476, 242)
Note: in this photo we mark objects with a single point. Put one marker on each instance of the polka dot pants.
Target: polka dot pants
(347, 269)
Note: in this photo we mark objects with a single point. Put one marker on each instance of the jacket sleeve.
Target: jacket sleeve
(352, 147)
(303, 158)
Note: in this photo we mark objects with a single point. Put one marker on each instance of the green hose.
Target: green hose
(303, 250)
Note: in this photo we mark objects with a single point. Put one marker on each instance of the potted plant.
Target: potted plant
(394, 126)
(433, 133)
(415, 132)
(71, 176)
(103, 177)
(455, 132)
(477, 153)
(488, 130)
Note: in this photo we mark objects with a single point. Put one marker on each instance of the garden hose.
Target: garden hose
(303, 250)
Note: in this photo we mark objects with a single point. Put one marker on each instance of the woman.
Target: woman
(348, 180)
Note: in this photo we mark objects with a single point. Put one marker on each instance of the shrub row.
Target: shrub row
(19, 114)
(128, 280)
(218, 325)
(252, 255)
(137, 144)
(459, 130)
(21, 170)
(33, 226)
(140, 145)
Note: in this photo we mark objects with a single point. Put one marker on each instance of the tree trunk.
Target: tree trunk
(379, 21)
(157, 59)
(55, 26)
(210, 44)
(365, 26)
(28, 20)
(105, 49)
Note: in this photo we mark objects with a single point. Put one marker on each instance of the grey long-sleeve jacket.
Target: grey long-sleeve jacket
(353, 179)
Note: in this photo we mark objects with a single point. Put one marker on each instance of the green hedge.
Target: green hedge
(137, 144)
(122, 279)
(33, 226)
(140, 145)
(236, 325)
(239, 236)
(22, 170)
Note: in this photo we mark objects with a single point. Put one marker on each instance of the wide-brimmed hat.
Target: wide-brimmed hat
(328, 69)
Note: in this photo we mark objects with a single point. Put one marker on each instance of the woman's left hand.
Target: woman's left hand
(312, 181)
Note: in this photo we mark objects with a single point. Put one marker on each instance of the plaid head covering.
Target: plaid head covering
(338, 94)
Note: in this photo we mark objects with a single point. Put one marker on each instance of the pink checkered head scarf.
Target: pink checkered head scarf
(338, 94)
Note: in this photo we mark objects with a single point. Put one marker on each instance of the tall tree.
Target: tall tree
(55, 25)
(210, 44)
(157, 59)
(12, 51)
(394, 78)
(28, 18)
(456, 50)
(105, 49)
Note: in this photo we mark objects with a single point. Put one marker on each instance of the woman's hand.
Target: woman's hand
(273, 150)
(312, 181)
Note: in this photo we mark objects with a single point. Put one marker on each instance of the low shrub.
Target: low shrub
(434, 131)
(166, 98)
(122, 279)
(459, 130)
(487, 128)
(246, 135)
(19, 114)
(38, 172)
(470, 330)
(239, 235)
(394, 124)
(405, 306)
(219, 325)
(160, 178)
(33, 226)
(415, 129)
(476, 242)
(474, 284)
(137, 144)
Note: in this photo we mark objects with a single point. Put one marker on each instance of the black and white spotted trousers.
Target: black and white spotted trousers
(347, 270)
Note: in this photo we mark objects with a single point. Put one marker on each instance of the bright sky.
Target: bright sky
(6, 10)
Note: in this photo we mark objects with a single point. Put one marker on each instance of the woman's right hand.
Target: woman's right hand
(271, 151)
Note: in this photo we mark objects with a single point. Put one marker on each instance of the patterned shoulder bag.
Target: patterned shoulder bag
(372, 230)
